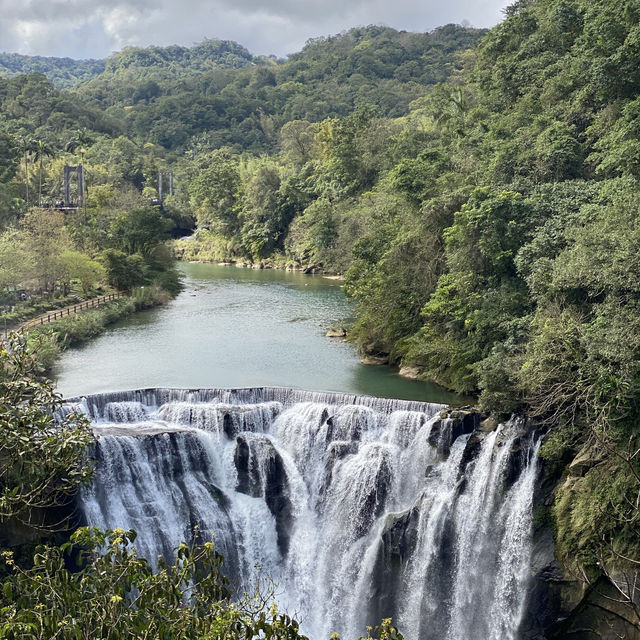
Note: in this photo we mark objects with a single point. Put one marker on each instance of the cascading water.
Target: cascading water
(359, 508)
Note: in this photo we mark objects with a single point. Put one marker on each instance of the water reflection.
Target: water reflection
(233, 327)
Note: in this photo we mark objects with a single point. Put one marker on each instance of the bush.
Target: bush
(116, 595)
(42, 459)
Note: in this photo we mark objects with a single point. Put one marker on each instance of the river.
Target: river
(233, 327)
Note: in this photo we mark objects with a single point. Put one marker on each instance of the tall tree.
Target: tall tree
(27, 146)
(42, 149)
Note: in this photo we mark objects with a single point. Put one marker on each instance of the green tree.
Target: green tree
(123, 271)
(297, 141)
(140, 230)
(215, 192)
(79, 141)
(15, 259)
(79, 266)
(480, 293)
(46, 238)
(265, 214)
(8, 157)
(42, 457)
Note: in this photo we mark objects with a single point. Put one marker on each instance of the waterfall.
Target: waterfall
(358, 508)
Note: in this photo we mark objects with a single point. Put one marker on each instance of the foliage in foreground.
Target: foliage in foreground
(42, 459)
(114, 594)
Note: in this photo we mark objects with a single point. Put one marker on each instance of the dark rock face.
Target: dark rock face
(398, 540)
(268, 480)
(551, 597)
(561, 606)
(228, 427)
(599, 616)
(445, 432)
(372, 503)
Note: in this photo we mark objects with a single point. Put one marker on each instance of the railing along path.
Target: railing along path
(58, 314)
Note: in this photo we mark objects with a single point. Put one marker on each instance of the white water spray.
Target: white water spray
(358, 508)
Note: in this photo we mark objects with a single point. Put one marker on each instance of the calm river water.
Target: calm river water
(233, 327)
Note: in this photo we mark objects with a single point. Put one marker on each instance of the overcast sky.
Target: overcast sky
(96, 28)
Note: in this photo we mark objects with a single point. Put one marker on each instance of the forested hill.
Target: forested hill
(62, 72)
(65, 73)
(204, 56)
(246, 107)
(217, 89)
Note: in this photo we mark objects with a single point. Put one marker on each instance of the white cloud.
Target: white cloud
(92, 28)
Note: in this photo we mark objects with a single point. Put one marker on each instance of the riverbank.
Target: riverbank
(205, 247)
(49, 341)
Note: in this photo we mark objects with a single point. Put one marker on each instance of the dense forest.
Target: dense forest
(479, 191)
(63, 72)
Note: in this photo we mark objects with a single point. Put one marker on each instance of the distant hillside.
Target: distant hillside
(204, 56)
(382, 52)
(217, 93)
(65, 73)
(168, 95)
(62, 72)
(31, 107)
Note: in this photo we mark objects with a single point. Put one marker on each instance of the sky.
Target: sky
(97, 28)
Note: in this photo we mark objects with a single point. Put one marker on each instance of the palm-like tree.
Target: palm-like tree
(42, 149)
(27, 148)
(80, 140)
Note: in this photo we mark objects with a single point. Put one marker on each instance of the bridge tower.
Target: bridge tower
(79, 171)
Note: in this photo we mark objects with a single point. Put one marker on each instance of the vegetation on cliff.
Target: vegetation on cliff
(42, 459)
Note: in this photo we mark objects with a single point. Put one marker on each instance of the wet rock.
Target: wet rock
(397, 543)
(277, 499)
(248, 481)
(261, 473)
(229, 428)
(451, 426)
(372, 504)
(375, 360)
(413, 373)
(489, 424)
(518, 458)
(471, 450)
(551, 597)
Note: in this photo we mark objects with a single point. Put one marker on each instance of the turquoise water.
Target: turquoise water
(234, 327)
